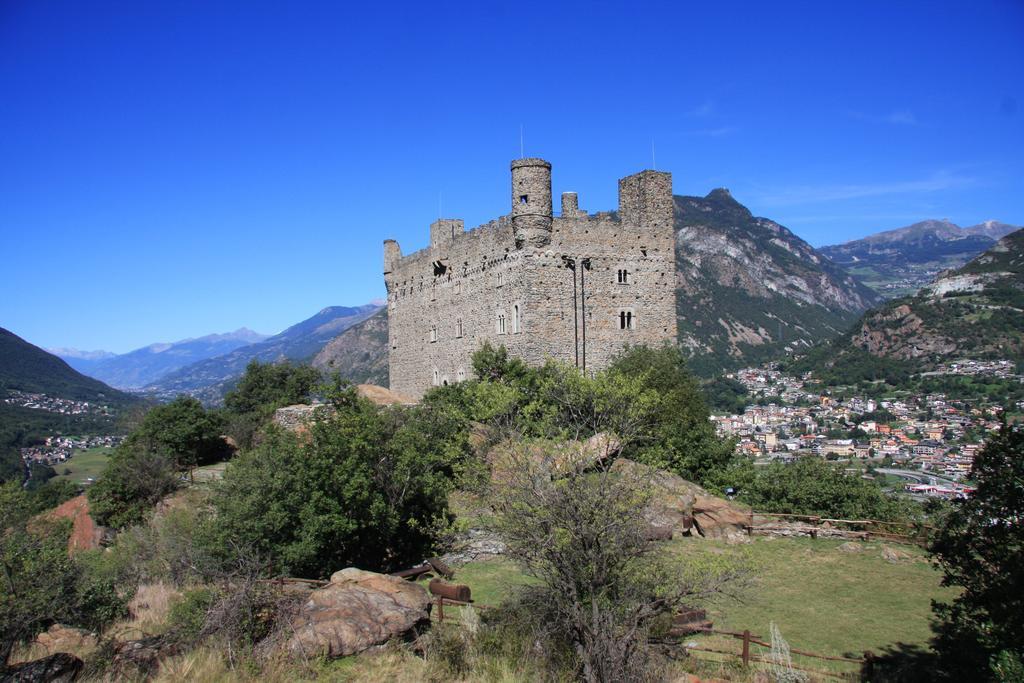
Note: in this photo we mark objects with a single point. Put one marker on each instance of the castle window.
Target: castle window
(458, 327)
(458, 287)
(501, 322)
(461, 375)
(523, 199)
(437, 377)
(625, 320)
(501, 279)
(515, 319)
(623, 276)
(433, 333)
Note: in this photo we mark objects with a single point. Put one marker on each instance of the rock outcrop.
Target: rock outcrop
(685, 507)
(358, 610)
(85, 533)
(60, 638)
(57, 668)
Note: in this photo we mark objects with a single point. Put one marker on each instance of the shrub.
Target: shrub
(368, 489)
(41, 583)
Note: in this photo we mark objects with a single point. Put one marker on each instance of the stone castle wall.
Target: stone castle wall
(510, 282)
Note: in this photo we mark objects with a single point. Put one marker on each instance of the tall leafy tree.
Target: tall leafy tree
(981, 549)
(183, 431)
(683, 440)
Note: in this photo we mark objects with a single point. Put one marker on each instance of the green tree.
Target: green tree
(183, 432)
(811, 486)
(726, 395)
(133, 481)
(368, 489)
(264, 388)
(980, 548)
(267, 386)
(682, 438)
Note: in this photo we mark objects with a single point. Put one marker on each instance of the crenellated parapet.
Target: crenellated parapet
(576, 287)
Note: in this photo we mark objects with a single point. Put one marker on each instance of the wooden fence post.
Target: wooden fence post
(867, 671)
(746, 647)
(440, 608)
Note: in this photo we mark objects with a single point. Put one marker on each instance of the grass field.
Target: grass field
(84, 464)
(823, 599)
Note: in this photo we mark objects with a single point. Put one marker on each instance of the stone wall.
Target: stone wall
(468, 287)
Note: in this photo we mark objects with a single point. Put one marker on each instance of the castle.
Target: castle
(576, 287)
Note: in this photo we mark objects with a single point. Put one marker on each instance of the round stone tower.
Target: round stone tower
(531, 202)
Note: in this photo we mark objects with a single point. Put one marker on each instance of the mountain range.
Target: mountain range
(26, 367)
(748, 289)
(144, 366)
(899, 262)
(210, 378)
(974, 312)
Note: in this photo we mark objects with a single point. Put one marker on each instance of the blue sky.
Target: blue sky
(172, 169)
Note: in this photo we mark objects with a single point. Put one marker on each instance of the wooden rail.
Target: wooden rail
(865, 664)
(876, 529)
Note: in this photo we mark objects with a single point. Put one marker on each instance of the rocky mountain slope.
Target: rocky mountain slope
(209, 379)
(28, 368)
(748, 289)
(150, 363)
(899, 262)
(359, 354)
(974, 312)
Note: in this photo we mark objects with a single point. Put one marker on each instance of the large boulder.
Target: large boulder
(356, 611)
(60, 638)
(551, 459)
(716, 517)
(685, 507)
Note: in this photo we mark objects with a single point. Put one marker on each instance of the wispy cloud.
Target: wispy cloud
(897, 117)
(902, 117)
(713, 132)
(809, 194)
(705, 109)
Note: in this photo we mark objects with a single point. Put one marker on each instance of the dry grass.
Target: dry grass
(32, 651)
(148, 612)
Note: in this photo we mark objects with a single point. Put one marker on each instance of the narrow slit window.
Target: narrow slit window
(458, 327)
(433, 333)
(515, 319)
(501, 323)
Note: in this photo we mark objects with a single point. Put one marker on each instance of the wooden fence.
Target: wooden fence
(864, 665)
(860, 529)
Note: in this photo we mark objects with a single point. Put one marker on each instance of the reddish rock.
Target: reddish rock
(356, 611)
(85, 533)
